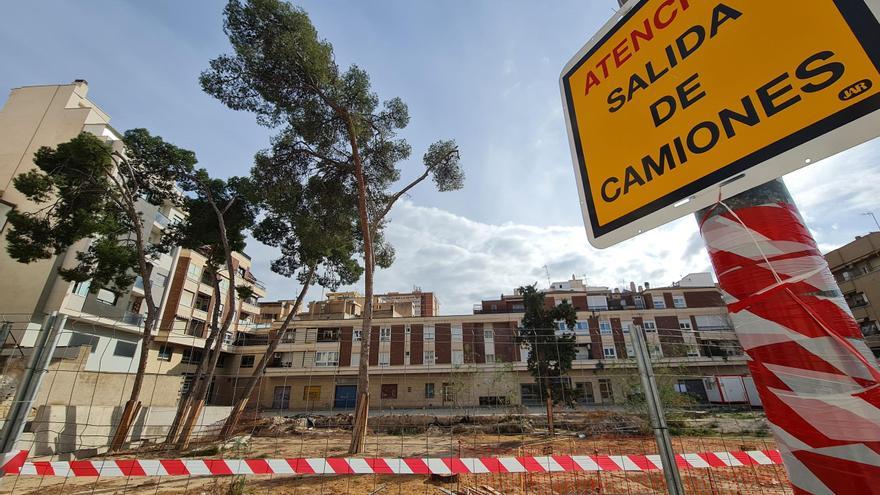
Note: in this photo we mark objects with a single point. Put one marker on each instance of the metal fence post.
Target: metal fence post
(38, 365)
(655, 411)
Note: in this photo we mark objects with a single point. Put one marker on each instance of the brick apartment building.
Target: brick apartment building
(475, 359)
(856, 268)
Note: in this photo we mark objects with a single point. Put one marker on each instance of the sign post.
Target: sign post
(817, 379)
(681, 107)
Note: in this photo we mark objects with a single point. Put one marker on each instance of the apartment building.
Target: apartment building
(188, 309)
(856, 268)
(109, 323)
(476, 359)
(392, 304)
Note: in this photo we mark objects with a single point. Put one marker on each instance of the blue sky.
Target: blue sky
(483, 73)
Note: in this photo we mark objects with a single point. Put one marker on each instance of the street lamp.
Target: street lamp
(874, 217)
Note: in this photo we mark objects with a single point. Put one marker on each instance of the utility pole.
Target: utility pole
(655, 411)
(874, 217)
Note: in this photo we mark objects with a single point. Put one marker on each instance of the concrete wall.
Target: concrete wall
(76, 431)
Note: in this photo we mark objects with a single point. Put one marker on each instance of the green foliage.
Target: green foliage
(551, 353)
(311, 217)
(85, 193)
(201, 229)
(327, 119)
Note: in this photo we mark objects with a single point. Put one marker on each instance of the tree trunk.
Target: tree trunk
(550, 412)
(132, 407)
(251, 384)
(201, 391)
(359, 428)
(186, 401)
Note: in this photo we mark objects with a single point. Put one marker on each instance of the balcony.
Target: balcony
(161, 219)
(135, 319)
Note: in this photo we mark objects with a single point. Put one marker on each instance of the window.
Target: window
(609, 352)
(655, 350)
(241, 271)
(494, 400)
(581, 325)
(847, 275)
(82, 288)
(203, 302)
(207, 278)
(289, 337)
(429, 390)
(429, 333)
(659, 302)
(585, 390)
(389, 391)
(626, 326)
(5, 208)
(561, 326)
(858, 300)
(407, 330)
(448, 392)
(191, 356)
(107, 297)
(193, 271)
(384, 358)
(247, 361)
(605, 389)
(328, 335)
(187, 382)
(630, 350)
(490, 358)
(457, 358)
(82, 339)
(165, 353)
(196, 328)
(186, 298)
(649, 326)
(385, 334)
(312, 392)
(326, 358)
(518, 307)
(456, 332)
(693, 351)
(488, 335)
(639, 302)
(712, 322)
(228, 338)
(428, 357)
(678, 301)
(605, 327)
(597, 302)
(685, 326)
(358, 335)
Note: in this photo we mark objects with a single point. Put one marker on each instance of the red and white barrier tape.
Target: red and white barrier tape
(384, 465)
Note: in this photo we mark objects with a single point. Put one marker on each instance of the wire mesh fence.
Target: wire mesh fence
(479, 424)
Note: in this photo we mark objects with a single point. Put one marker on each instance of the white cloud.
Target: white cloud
(464, 261)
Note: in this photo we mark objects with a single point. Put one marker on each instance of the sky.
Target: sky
(483, 73)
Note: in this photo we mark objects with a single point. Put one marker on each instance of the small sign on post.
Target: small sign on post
(675, 102)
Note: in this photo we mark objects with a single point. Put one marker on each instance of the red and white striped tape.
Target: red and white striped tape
(384, 465)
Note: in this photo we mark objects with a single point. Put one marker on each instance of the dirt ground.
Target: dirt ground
(428, 437)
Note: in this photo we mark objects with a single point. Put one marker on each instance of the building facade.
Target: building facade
(472, 360)
(856, 268)
(109, 323)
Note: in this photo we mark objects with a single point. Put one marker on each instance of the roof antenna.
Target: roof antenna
(547, 271)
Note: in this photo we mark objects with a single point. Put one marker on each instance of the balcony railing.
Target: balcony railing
(162, 219)
(135, 319)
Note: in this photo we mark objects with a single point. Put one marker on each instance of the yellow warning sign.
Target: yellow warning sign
(680, 95)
